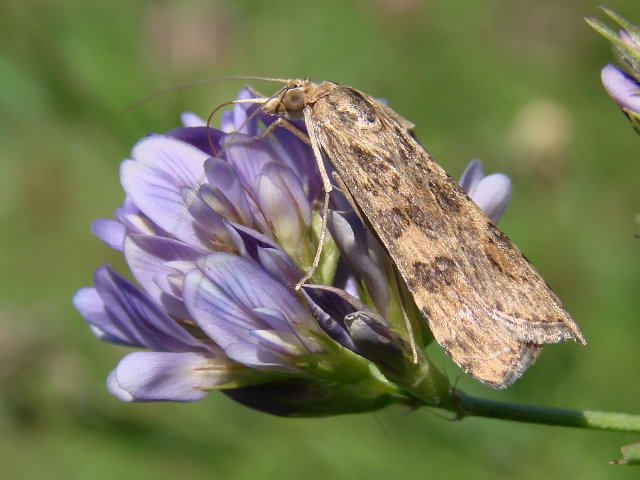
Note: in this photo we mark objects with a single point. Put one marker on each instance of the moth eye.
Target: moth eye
(294, 100)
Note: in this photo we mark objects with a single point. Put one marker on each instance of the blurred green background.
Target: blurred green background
(515, 84)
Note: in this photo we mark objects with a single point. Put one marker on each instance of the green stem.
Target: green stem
(478, 407)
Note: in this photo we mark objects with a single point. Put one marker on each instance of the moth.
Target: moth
(485, 303)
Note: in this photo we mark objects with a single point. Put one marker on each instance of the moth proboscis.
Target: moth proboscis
(485, 303)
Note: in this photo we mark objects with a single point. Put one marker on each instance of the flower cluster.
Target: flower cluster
(624, 88)
(217, 227)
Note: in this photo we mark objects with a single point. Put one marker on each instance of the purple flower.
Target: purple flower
(217, 227)
(178, 366)
(492, 193)
(623, 88)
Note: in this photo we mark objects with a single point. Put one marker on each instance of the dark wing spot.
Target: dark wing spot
(375, 167)
(395, 222)
(436, 275)
(356, 103)
(501, 263)
(418, 217)
(493, 261)
(447, 198)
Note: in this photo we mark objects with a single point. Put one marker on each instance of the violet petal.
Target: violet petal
(248, 157)
(352, 241)
(281, 343)
(285, 189)
(161, 167)
(256, 356)
(226, 122)
(197, 136)
(138, 318)
(492, 195)
(110, 232)
(115, 390)
(280, 265)
(274, 318)
(247, 241)
(471, 176)
(329, 306)
(210, 222)
(223, 176)
(148, 259)
(241, 113)
(88, 302)
(135, 223)
(177, 377)
(222, 293)
(190, 119)
(297, 155)
(623, 88)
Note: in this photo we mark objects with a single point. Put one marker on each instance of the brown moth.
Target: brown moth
(486, 305)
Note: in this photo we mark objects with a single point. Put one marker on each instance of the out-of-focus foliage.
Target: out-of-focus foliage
(516, 84)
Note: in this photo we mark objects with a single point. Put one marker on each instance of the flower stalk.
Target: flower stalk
(592, 420)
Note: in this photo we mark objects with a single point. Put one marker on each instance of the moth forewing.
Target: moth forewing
(486, 305)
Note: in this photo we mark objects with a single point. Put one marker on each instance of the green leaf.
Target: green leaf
(630, 455)
(628, 54)
(631, 29)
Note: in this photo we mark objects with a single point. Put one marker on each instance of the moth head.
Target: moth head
(294, 100)
(290, 101)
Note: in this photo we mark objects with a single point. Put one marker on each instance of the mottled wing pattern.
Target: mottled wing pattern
(485, 303)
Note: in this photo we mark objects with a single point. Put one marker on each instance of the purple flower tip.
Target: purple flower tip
(491, 193)
(623, 88)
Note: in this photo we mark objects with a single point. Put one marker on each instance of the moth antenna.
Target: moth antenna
(247, 120)
(225, 104)
(208, 130)
(196, 83)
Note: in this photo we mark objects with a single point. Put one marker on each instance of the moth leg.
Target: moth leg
(281, 122)
(323, 235)
(326, 184)
(309, 140)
